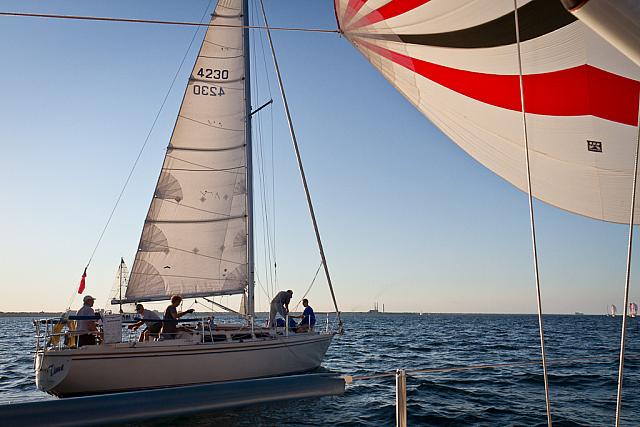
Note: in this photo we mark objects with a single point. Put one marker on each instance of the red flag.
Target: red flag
(82, 284)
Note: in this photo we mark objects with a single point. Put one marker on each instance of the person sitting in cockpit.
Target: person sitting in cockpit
(147, 317)
(170, 326)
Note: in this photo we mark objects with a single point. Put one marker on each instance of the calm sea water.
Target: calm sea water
(582, 393)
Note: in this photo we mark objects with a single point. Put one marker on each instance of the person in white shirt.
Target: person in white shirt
(86, 328)
(280, 305)
(147, 317)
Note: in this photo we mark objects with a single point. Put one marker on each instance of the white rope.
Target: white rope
(627, 277)
(301, 168)
(532, 221)
(315, 276)
(146, 141)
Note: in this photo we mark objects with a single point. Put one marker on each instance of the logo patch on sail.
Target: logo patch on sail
(595, 146)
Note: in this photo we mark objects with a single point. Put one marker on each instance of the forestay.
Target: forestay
(457, 62)
(194, 240)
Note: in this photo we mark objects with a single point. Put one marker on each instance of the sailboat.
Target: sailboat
(118, 291)
(613, 310)
(633, 309)
(197, 241)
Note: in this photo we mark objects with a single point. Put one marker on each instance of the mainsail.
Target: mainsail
(457, 62)
(194, 240)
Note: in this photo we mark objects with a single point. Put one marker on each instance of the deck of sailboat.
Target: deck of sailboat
(237, 339)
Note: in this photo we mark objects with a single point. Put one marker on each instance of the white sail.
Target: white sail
(243, 305)
(194, 240)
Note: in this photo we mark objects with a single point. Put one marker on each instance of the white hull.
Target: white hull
(123, 367)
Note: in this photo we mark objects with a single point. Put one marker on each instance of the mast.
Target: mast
(249, 151)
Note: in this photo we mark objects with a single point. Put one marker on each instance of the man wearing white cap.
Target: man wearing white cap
(86, 327)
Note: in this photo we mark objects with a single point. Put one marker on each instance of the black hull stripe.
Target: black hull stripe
(537, 18)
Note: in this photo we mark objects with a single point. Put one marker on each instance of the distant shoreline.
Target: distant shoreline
(28, 314)
(55, 314)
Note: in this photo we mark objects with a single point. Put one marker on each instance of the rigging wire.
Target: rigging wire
(157, 22)
(146, 141)
(266, 293)
(257, 128)
(532, 220)
(310, 286)
(273, 169)
(301, 168)
(261, 286)
(265, 210)
(265, 201)
(267, 234)
(255, 136)
(265, 207)
(268, 211)
(627, 277)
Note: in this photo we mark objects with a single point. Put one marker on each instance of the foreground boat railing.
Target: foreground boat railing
(401, 376)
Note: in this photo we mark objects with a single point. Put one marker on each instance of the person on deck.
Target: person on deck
(86, 328)
(171, 315)
(147, 317)
(280, 304)
(308, 318)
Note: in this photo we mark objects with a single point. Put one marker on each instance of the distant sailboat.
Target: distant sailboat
(633, 309)
(119, 290)
(613, 310)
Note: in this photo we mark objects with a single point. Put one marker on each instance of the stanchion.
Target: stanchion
(401, 398)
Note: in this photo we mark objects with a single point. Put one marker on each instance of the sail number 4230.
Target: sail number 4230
(208, 90)
(213, 74)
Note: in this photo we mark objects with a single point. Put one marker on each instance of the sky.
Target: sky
(407, 218)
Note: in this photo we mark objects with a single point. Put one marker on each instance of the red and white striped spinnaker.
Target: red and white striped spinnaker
(457, 62)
